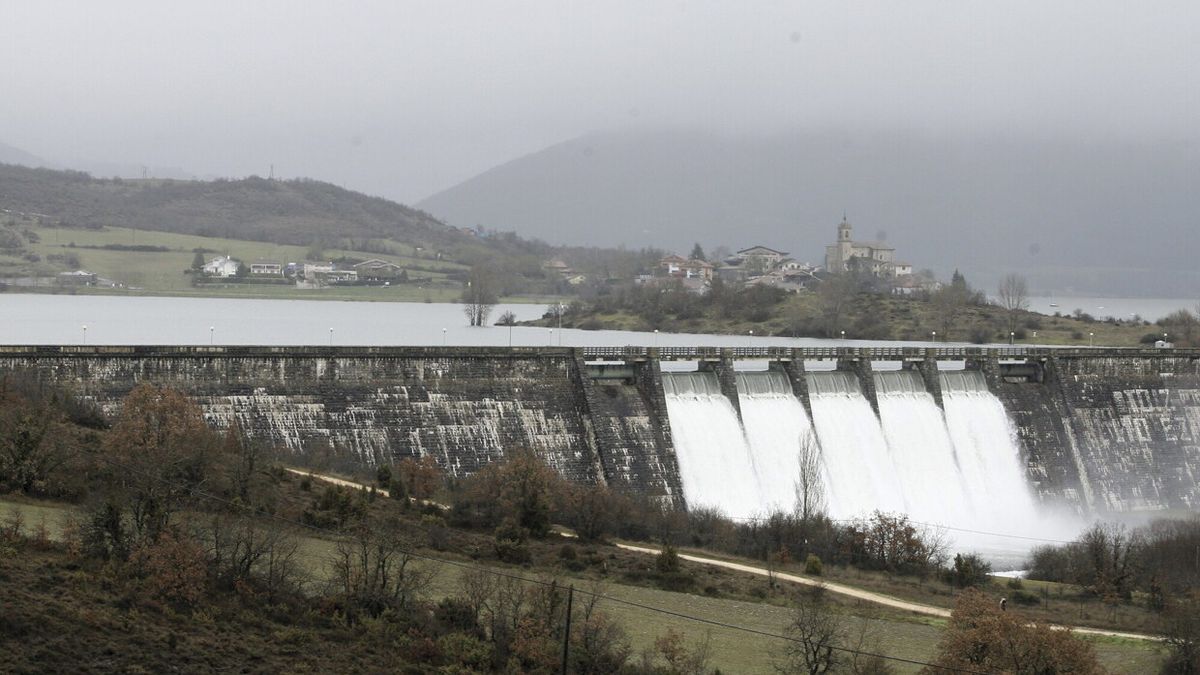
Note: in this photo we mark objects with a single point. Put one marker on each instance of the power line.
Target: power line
(467, 566)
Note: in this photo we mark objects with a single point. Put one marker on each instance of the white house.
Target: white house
(223, 266)
(266, 269)
(761, 258)
(312, 270)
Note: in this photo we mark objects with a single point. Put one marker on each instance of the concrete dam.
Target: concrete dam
(991, 435)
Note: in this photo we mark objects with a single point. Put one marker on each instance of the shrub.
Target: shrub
(1024, 598)
(468, 652)
(174, 569)
(979, 334)
(667, 562)
(436, 531)
(510, 543)
(981, 637)
(969, 570)
(812, 565)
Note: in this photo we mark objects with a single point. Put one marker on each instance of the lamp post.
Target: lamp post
(510, 335)
(551, 342)
(443, 337)
(1012, 338)
(210, 334)
(933, 335)
(330, 336)
(655, 337)
(85, 334)
(843, 335)
(1091, 339)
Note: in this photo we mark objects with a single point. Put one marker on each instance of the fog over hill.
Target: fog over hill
(1073, 216)
(11, 155)
(297, 211)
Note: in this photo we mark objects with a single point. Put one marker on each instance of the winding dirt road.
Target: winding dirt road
(840, 589)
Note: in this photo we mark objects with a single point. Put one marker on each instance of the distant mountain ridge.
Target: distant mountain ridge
(11, 155)
(1115, 218)
(288, 212)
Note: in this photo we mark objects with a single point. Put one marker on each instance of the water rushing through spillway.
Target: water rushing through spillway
(992, 472)
(715, 463)
(859, 465)
(776, 427)
(957, 465)
(927, 469)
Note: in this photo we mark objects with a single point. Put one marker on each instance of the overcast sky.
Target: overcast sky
(406, 98)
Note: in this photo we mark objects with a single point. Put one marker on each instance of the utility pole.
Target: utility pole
(567, 632)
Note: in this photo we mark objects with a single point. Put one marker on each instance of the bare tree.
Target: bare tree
(375, 569)
(479, 295)
(1182, 325)
(835, 296)
(810, 488)
(1014, 298)
(817, 633)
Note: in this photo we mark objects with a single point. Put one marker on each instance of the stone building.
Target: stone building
(876, 257)
(760, 258)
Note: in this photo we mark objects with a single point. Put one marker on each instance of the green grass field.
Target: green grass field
(163, 273)
(734, 651)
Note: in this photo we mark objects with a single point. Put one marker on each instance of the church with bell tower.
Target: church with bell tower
(875, 257)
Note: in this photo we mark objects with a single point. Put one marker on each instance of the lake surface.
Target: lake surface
(110, 320)
(117, 320)
(1150, 309)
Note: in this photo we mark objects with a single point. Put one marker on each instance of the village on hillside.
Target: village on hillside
(764, 266)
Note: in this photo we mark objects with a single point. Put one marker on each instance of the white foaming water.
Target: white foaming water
(775, 424)
(715, 463)
(860, 474)
(961, 468)
(927, 470)
(992, 470)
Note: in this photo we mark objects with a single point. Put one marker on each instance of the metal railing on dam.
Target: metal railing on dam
(600, 353)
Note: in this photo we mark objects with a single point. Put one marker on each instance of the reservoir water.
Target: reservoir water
(112, 320)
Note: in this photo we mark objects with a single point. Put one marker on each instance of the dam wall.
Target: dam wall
(1135, 424)
(465, 407)
(1096, 430)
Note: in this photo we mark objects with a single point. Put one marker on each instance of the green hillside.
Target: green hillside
(143, 234)
(292, 211)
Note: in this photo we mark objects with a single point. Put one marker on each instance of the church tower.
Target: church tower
(845, 243)
(844, 231)
(837, 255)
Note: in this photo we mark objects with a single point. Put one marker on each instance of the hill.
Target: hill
(285, 212)
(1104, 217)
(11, 155)
(60, 209)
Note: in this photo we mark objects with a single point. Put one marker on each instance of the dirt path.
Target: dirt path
(841, 589)
(335, 480)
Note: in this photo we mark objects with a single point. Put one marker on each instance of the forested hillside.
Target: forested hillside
(286, 212)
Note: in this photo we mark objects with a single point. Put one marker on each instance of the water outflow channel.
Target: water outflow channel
(958, 466)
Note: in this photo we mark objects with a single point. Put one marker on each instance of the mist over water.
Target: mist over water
(959, 467)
